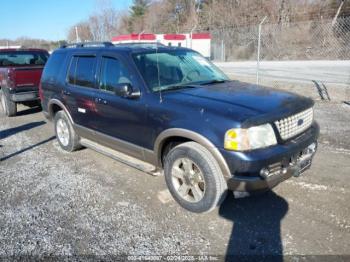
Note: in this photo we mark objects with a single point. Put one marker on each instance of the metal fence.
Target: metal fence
(312, 54)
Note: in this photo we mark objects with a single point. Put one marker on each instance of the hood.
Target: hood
(259, 101)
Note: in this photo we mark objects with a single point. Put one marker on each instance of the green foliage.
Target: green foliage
(139, 8)
(138, 11)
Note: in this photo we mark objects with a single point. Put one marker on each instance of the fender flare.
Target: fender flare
(61, 105)
(191, 135)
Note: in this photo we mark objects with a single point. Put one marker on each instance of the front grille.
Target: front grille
(293, 125)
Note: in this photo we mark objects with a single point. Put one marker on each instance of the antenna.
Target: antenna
(160, 90)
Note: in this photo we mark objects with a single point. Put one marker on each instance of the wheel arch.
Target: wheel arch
(56, 105)
(180, 134)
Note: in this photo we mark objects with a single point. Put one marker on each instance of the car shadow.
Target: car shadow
(256, 233)
(30, 110)
(14, 130)
(27, 148)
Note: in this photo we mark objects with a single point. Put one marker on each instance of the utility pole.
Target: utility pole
(139, 36)
(259, 46)
(76, 34)
(197, 10)
(338, 12)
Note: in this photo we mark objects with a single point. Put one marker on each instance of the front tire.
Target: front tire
(194, 177)
(65, 134)
(9, 107)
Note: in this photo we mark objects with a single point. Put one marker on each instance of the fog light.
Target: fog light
(264, 172)
(311, 148)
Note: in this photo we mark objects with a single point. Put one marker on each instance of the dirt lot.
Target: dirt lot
(83, 203)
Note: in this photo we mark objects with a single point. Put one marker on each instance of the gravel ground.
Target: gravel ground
(83, 203)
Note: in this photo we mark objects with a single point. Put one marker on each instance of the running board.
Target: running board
(120, 157)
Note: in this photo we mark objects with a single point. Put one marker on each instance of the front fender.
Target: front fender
(194, 136)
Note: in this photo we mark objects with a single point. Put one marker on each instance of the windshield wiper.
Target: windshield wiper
(175, 87)
(214, 81)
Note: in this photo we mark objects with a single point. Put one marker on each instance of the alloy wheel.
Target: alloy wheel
(188, 180)
(62, 132)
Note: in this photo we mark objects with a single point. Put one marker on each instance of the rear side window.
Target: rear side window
(53, 66)
(113, 72)
(82, 71)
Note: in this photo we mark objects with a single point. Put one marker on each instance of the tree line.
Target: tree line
(182, 16)
(179, 16)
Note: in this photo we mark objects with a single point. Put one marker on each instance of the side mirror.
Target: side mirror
(125, 90)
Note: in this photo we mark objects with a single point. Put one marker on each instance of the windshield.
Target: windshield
(22, 58)
(176, 68)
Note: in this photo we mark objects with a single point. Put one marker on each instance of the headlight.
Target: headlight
(255, 137)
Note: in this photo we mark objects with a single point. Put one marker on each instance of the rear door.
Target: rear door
(80, 89)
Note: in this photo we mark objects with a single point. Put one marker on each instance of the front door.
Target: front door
(121, 118)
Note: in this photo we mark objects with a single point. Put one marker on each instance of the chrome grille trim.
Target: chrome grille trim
(290, 126)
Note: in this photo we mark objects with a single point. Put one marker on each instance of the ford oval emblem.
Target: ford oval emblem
(300, 122)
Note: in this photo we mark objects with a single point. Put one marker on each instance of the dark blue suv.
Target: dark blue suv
(172, 108)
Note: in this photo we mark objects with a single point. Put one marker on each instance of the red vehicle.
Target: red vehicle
(20, 73)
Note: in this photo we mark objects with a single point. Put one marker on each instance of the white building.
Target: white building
(10, 46)
(199, 42)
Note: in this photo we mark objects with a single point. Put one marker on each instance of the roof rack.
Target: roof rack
(140, 44)
(88, 44)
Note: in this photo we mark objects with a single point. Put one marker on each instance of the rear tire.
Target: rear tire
(65, 133)
(194, 177)
(9, 107)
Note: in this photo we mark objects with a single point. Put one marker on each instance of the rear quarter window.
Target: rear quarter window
(53, 67)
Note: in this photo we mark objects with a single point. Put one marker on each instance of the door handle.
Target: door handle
(100, 101)
(67, 93)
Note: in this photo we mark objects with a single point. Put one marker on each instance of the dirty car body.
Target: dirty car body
(258, 136)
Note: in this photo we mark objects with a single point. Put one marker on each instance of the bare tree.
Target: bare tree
(178, 16)
(83, 30)
(102, 25)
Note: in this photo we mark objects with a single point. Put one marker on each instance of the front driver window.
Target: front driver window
(113, 72)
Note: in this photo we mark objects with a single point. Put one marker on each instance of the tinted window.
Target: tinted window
(53, 66)
(113, 72)
(72, 69)
(82, 71)
(23, 58)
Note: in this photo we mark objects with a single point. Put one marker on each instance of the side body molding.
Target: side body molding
(180, 132)
(154, 157)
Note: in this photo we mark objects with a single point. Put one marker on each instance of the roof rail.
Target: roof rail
(140, 44)
(88, 44)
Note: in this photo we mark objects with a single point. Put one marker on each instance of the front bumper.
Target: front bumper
(263, 169)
